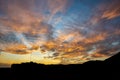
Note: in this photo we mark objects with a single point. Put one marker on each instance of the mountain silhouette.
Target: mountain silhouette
(34, 71)
(114, 60)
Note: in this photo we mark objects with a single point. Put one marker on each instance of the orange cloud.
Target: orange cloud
(57, 6)
(16, 49)
(117, 32)
(105, 11)
(111, 10)
(75, 41)
(96, 38)
(109, 14)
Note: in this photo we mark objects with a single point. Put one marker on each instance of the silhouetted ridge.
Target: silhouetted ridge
(114, 59)
(34, 71)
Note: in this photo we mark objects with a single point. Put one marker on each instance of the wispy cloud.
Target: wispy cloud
(42, 25)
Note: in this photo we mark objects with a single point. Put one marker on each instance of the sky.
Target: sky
(58, 31)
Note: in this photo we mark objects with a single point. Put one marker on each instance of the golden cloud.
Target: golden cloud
(33, 32)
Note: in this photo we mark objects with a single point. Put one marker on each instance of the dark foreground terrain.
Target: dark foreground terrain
(109, 69)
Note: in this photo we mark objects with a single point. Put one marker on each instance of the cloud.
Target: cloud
(22, 18)
(96, 31)
(4, 65)
(24, 26)
(42, 25)
(104, 12)
(56, 6)
(112, 10)
(96, 38)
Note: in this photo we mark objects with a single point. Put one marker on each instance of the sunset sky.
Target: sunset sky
(58, 31)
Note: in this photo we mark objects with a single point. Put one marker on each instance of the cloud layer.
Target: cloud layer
(73, 33)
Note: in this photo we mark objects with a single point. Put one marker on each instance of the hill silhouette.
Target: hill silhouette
(36, 71)
(114, 60)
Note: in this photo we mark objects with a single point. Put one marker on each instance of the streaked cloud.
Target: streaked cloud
(60, 31)
(112, 10)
